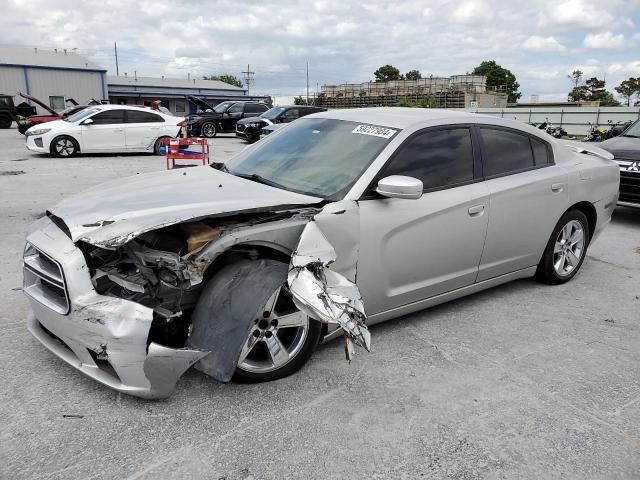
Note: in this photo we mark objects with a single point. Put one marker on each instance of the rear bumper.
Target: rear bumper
(103, 337)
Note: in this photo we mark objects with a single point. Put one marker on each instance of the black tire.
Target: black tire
(209, 129)
(5, 121)
(242, 289)
(547, 272)
(157, 145)
(64, 146)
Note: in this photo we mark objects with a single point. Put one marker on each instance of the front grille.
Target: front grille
(43, 280)
(629, 187)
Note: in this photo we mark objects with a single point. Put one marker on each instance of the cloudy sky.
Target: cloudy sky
(539, 41)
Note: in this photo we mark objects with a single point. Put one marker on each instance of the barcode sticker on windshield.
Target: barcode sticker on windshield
(373, 130)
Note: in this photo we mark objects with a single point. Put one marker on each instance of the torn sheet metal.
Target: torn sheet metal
(324, 294)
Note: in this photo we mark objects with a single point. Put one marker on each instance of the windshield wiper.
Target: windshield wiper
(254, 177)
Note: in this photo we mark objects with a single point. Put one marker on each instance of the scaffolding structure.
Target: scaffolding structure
(457, 91)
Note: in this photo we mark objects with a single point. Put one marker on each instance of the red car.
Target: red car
(24, 125)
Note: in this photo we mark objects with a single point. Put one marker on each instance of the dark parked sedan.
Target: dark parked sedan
(221, 118)
(626, 151)
(251, 128)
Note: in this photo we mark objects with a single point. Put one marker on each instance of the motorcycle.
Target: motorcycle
(595, 133)
(616, 129)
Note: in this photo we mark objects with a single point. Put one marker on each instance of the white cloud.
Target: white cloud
(342, 41)
(577, 14)
(536, 43)
(603, 40)
(472, 12)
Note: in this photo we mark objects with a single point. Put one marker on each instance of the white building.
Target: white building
(52, 76)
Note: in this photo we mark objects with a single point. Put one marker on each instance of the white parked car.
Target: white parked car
(104, 129)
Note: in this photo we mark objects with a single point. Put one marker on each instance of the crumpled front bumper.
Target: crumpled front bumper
(103, 337)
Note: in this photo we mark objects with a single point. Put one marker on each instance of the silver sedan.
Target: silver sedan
(338, 221)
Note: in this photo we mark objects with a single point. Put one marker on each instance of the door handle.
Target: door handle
(557, 187)
(476, 210)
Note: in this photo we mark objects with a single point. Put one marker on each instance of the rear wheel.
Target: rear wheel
(5, 121)
(64, 146)
(209, 130)
(566, 249)
(159, 143)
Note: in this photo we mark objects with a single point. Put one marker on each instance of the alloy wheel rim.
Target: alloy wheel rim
(276, 337)
(568, 248)
(209, 130)
(65, 147)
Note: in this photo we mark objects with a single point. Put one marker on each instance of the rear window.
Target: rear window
(134, 116)
(505, 151)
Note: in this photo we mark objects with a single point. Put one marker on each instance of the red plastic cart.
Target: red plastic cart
(186, 149)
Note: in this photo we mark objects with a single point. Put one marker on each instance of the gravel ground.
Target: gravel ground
(520, 381)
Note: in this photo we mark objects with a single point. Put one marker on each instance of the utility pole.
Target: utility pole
(115, 47)
(307, 83)
(248, 79)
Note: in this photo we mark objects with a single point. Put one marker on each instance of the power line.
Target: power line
(248, 78)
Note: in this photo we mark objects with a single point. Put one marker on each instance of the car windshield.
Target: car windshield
(272, 113)
(221, 107)
(76, 117)
(632, 131)
(321, 157)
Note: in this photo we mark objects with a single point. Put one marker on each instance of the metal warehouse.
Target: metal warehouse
(135, 90)
(53, 76)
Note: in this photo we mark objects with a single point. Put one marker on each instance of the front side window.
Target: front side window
(82, 114)
(134, 116)
(56, 103)
(272, 113)
(317, 156)
(505, 151)
(438, 157)
(108, 117)
(237, 108)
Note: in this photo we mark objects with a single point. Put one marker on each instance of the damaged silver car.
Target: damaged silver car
(340, 220)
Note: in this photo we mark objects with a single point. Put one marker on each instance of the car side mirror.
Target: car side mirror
(88, 121)
(400, 186)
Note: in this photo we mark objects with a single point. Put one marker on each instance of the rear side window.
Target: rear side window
(541, 154)
(505, 151)
(134, 116)
(254, 108)
(439, 158)
(108, 117)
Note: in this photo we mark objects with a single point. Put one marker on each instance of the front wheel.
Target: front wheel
(249, 301)
(64, 146)
(565, 250)
(209, 130)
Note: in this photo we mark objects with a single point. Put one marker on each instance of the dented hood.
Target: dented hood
(111, 214)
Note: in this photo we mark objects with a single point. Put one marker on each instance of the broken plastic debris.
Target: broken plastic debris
(324, 294)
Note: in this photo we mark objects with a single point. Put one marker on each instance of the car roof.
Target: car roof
(398, 117)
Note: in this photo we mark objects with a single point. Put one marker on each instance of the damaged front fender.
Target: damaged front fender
(324, 294)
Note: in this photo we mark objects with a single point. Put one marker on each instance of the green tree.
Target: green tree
(226, 78)
(299, 100)
(593, 90)
(499, 76)
(387, 73)
(576, 78)
(628, 88)
(413, 75)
